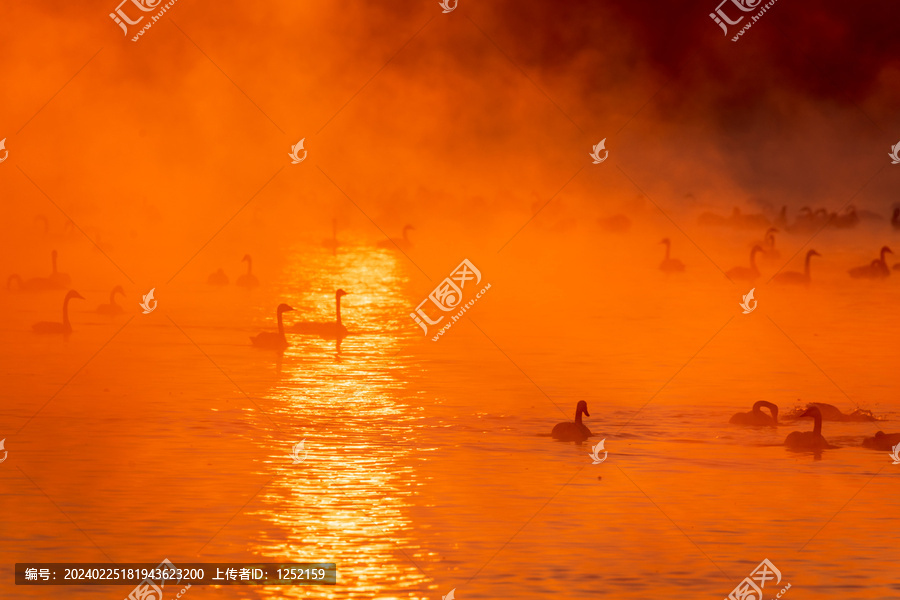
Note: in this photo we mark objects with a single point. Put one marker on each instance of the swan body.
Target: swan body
(794, 277)
(403, 243)
(830, 412)
(248, 280)
(112, 308)
(218, 278)
(65, 327)
(55, 281)
(573, 432)
(756, 416)
(746, 273)
(270, 339)
(328, 329)
(882, 441)
(670, 265)
(808, 440)
(877, 269)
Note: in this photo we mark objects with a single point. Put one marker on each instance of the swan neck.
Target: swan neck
(249, 266)
(578, 415)
(817, 428)
(66, 312)
(280, 324)
(668, 248)
(806, 265)
(53, 259)
(338, 305)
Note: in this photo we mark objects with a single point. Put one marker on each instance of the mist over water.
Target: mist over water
(429, 465)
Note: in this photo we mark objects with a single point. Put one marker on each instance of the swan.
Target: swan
(808, 440)
(794, 276)
(218, 278)
(65, 327)
(768, 244)
(112, 308)
(844, 221)
(747, 273)
(756, 416)
(35, 284)
(332, 242)
(268, 339)
(615, 224)
(830, 412)
(875, 270)
(670, 265)
(60, 280)
(895, 218)
(402, 244)
(882, 441)
(573, 432)
(248, 279)
(331, 328)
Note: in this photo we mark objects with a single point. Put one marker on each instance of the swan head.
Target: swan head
(53, 254)
(812, 253)
(886, 249)
(582, 407)
(284, 308)
(408, 228)
(340, 293)
(118, 289)
(247, 258)
(771, 230)
(74, 294)
(812, 411)
(666, 241)
(756, 248)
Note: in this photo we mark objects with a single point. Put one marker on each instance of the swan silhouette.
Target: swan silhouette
(248, 279)
(768, 244)
(332, 242)
(882, 441)
(794, 277)
(573, 432)
(746, 273)
(670, 265)
(830, 412)
(877, 269)
(808, 440)
(403, 243)
(65, 327)
(218, 278)
(328, 329)
(895, 218)
(56, 280)
(112, 308)
(756, 416)
(269, 339)
(61, 280)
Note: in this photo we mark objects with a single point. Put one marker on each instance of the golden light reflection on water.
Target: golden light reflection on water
(349, 501)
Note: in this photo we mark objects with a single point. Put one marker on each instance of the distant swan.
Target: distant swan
(65, 327)
(248, 279)
(808, 440)
(875, 270)
(670, 265)
(830, 412)
(895, 218)
(795, 277)
(331, 328)
(882, 441)
(573, 432)
(60, 280)
(268, 339)
(218, 278)
(332, 242)
(112, 308)
(402, 244)
(746, 273)
(756, 416)
(616, 223)
(768, 244)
